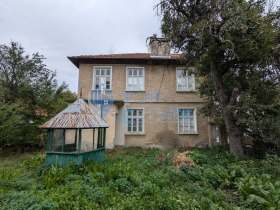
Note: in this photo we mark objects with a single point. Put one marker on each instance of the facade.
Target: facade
(151, 100)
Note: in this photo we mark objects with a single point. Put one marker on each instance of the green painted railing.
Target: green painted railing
(64, 159)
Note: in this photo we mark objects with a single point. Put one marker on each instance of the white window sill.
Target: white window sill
(187, 91)
(134, 134)
(189, 133)
(106, 90)
(134, 90)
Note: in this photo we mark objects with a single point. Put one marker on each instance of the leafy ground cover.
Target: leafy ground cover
(142, 179)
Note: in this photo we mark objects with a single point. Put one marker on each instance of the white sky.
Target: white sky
(61, 28)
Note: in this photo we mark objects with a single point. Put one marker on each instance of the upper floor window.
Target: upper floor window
(135, 79)
(185, 81)
(187, 120)
(102, 77)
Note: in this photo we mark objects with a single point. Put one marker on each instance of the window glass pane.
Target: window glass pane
(97, 72)
(140, 72)
(102, 81)
(130, 87)
(129, 125)
(102, 71)
(134, 113)
(97, 83)
(57, 140)
(129, 112)
(186, 128)
(183, 80)
(140, 123)
(180, 112)
(134, 125)
(181, 121)
(140, 80)
(130, 72)
(129, 81)
(107, 82)
(140, 112)
(191, 122)
(108, 72)
(134, 72)
(134, 81)
(179, 72)
(191, 112)
(97, 80)
(181, 129)
(191, 82)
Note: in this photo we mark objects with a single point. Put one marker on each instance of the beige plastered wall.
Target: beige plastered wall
(161, 122)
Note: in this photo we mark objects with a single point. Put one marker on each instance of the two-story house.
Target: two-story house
(151, 98)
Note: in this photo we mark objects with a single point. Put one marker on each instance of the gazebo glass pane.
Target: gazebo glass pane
(95, 138)
(70, 140)
(87, 140)
(57, 140)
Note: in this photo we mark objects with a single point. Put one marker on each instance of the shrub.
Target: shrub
(260, 192)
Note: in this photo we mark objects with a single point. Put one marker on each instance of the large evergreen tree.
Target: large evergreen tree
(232, 45)
(29, 94)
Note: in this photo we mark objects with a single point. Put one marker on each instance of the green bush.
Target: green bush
(260, 192)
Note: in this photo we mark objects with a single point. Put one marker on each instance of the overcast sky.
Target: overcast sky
(61, 28)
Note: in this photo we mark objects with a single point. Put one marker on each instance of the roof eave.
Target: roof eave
(144, 61)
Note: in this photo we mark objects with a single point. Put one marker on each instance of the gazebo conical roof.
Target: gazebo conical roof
(77, 115)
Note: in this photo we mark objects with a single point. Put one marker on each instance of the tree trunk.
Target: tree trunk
(233, 132)
(234, 136)
(223, 135)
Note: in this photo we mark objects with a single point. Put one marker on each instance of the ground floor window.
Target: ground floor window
(187, 120)
(135, 120)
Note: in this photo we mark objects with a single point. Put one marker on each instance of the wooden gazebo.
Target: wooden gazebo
(75, 135)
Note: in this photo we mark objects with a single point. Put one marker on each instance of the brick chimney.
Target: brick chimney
(159, 47)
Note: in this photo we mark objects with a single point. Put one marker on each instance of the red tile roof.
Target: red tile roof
(126, 56)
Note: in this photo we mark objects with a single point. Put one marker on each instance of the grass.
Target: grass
(134, 178)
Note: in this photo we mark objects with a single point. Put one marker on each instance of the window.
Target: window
(135, 79)
(135, 120)
(185, 81)
(187, 120)
(102, 77)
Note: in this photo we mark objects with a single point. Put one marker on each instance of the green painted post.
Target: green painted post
(93, 130)
(63, 140)
(76, 133)
(80, 139)
(98, 138)
(104, 138)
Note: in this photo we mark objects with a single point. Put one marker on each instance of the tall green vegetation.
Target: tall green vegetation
(134, 178)
(234, 45)
(29, 94)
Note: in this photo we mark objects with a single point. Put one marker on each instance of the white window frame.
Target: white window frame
(194, 119)
(135, 67)
(187, 79)
(94, 76)
(137, 121)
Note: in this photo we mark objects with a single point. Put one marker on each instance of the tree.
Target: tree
(231, 44)
(29, 95)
